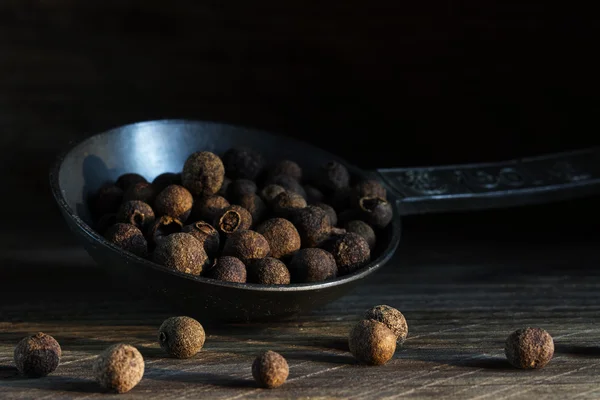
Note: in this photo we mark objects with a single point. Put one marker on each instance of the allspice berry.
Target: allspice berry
(203, 173)
(106, 200)
(390, 317)
(371, 342)
(37, 355)
(375, 211)
(351, 252)
(119, 368)
(162, 227)
(529, 348)
(313, 195)
(206, 235)
(312, 265)
(269, 271)
(243, 163)
(313, 225)
(142, 191)
(286, 167)
(333, 176)
(247, 246)
(234, 218)
(228, 269)
(363, 229)
(287, 203)
(181, 252)
(136, 213)
(270, 192)
(368, 188)
(129, 238)
(175, 201)
(207, 208)
(166, 179)
(241, 187)
(181, 337)
(333, 219)
(126, 180)
(270, 370)
(282, 235)
(255, 206)
(288, 183)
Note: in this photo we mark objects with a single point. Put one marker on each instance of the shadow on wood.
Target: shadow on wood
(57, 383)
(577, 351)
(199, 378)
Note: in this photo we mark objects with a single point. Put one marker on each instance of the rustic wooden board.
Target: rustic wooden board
(460, 297)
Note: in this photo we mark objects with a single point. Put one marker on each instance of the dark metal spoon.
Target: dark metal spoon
(151, 148)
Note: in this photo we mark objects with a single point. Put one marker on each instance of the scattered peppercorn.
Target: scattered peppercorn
(333, 219)
(228, 269)
(162, 227)
(243, 163)
(363, 229)
(255, 206)
(107, 200)
(313, 225)
(105, 222)
(207, 208)
(129, 238)
(313, 195)
(269, 271)
(175, 201)
(368, 188)
(203, 173)
(126, 180)
(232, 219)
(529, 348)
(333, 176)
(181, 337)
(371, 342)
(312, 265)
(247, 246)
(136, 213)
(287, 203)
(270, 370)
(142, 191)
(37, 355)
(390, 317)
(166, 179)
(241, 187)
(224, 187)
(119, 368)
(375, 211)
(351, 252)
(288, 183)
(206, 235)
(181, 252)
(270, 192)
(282, 235)
(286, 167)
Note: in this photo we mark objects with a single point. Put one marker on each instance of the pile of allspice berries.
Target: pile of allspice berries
(372, 341)
(237, 218)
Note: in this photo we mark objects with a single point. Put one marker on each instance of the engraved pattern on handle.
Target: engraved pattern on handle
(494, 185)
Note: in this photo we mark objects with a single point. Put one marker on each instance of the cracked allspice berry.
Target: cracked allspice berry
(234, 218)
(282, 235)
(206, 235)
(203, 173)
(247, 246)
(228, 269)
(181, 337)
(162, 227)
(269, 271)
(119, 368)
(129, 238)
(367, 188)
(371, 342)
(529, 348)
(375, 211)
(270, 370)
(181, 252)
(270, 192)
(175, 201)
(136, 213)
(37, 355)
(390, 317)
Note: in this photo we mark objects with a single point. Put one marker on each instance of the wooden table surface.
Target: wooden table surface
(461, 294)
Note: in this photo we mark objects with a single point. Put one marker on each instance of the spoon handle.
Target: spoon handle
(531, 180)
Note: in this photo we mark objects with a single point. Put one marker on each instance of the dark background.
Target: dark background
(468, 82)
